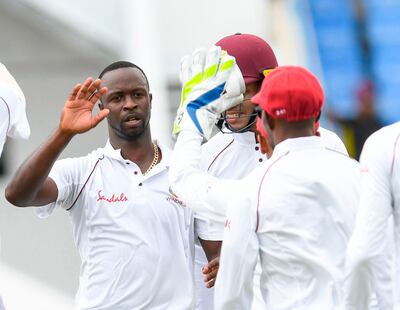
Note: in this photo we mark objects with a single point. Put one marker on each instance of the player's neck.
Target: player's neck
(139, 150)
(282, 136)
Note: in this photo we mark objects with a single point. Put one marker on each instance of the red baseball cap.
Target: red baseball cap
(292, 93)
(254, 56)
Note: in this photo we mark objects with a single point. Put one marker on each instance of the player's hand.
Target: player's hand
(211, 83)
(210, 272)
(77, 114)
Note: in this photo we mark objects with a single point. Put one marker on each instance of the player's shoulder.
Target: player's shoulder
(387, 134)
(327, 133)
(384, 138)
(217, 141)
(83, 160)
(383, 143)
(215, 146)
(332, 140)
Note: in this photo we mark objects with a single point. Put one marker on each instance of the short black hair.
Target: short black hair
(122, 64)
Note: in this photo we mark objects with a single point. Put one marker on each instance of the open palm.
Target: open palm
(77, 114)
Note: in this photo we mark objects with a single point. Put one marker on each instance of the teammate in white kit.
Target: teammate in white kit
(134, 238)
(13, 120)
(299, 233)
(379, 202)
(234, 152)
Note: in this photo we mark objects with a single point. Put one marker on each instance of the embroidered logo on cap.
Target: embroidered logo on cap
(280, 112)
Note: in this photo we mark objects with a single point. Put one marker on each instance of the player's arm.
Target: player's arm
(200, 191)
(13, 120)
(234, 284)
(368, 241)
(212, 249)
(212, 83)
(31, 186)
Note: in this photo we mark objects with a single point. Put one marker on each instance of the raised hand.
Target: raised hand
(77, 114)
(211, 83)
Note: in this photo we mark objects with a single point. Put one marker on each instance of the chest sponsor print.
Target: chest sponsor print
(111, 198)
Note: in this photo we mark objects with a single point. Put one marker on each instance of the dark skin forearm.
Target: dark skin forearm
(212, 250)
(30, 186)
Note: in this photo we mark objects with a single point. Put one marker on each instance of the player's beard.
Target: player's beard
(129, 134)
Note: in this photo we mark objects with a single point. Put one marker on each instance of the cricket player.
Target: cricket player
(134, 238)
(13, 120)
(288, 211)
(234, 152)
(379, 202)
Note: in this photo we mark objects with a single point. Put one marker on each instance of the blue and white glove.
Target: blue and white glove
(211, 84)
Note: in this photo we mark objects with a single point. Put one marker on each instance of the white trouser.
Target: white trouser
(2, 307)
(204, 295)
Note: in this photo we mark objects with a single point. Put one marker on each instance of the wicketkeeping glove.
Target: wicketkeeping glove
(211, 84)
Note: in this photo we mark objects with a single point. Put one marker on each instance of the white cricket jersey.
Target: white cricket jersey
(331, 140)
(13, 121)
(296, 213)
(228, 156)
(234, 156)
(135, 239)
(231, 156)
(379, 202)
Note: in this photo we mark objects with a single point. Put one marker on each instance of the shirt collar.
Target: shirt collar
(295, 144)
(166, 152)
(247, 138)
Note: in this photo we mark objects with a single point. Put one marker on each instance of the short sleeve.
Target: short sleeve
(14, 101)
(332, 141)
(4, 123)
(207, 228)
(69, 175)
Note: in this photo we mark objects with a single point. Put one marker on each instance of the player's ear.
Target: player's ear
(265, 146)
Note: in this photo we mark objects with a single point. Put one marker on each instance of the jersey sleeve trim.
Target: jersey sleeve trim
(223, 150)
(84, 184)
(9, 113)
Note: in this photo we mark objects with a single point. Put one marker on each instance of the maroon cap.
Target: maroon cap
(292, 93)
(253, 55)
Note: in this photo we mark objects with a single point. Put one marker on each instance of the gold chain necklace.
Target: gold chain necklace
(155, 159)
